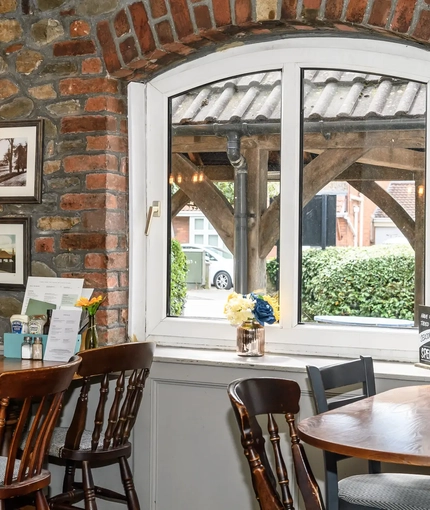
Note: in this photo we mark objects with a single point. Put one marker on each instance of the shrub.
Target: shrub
(376, 281)
(272, 271)
(178, 277)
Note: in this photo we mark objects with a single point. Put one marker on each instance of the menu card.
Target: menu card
(424, 332)
(63, 332)
(61, 292)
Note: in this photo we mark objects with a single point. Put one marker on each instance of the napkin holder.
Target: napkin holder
(12, 344)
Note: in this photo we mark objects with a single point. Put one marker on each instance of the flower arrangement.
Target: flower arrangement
(90, 305)
(261, 308)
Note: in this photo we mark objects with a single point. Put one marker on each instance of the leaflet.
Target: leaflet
(61, 292)
(61, 341)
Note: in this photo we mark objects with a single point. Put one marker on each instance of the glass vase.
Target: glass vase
(250, 339)
(91, 337)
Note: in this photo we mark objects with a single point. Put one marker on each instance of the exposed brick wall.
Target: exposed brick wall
(51, 67)
(139, 41)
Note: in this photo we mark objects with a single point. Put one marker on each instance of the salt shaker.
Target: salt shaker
(26, 350)
(37, 348)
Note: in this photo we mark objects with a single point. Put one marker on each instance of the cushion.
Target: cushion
(59, 437)
(3, 462)
(387, 491)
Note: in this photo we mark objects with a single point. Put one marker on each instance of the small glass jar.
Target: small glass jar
(26, 349)
(37, 349)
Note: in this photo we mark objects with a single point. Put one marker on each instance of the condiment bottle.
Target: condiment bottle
(48, 322)
(37, 348)
(19, 323)
(36, 324)
(26, 350)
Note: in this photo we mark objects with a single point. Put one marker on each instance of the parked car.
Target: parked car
(221, 264)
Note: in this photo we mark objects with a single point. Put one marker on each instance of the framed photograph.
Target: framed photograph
(14, 253)
(21, 149)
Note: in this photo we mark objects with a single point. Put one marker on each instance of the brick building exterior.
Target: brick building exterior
(68, 62)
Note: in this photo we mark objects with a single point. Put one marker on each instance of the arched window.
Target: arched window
(295, 168)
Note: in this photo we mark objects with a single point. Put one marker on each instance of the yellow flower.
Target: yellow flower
(90, 305)
(274, 303)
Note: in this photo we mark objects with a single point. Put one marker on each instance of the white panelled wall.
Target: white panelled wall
(187, 449)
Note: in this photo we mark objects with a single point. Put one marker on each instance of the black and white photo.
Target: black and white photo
(20, 161)
(14, 252)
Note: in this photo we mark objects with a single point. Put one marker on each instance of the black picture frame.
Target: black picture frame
(21, 161)
(14, 252)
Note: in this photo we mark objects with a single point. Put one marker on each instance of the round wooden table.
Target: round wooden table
(393, 426)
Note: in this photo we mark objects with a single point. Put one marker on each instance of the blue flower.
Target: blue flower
(263, 312)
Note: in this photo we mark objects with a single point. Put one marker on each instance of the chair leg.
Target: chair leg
(128, 483)
(331, 483)
(40, 500)
(69, 476)
(88, 486)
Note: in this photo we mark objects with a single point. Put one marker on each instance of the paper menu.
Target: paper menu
(61, 342)
(62, 292)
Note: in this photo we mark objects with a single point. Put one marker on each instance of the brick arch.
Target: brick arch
(138, 42)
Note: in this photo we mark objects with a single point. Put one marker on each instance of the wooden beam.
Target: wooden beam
(207, 198)
(178, 201)
(357, 171)
(313, 142)
(325, 167)
(256, 161)
(409, 139)
(403, 159)
(390, 206)
(270, 227)
(360, 172)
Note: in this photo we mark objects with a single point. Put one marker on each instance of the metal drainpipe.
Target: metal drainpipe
(238, 162)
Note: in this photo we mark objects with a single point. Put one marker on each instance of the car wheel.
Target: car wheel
(223, 281)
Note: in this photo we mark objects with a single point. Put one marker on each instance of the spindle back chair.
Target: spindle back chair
(109, 440)
(251, 398)
(38, 392)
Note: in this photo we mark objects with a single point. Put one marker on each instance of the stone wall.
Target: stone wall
(68, 62)
(50, 69)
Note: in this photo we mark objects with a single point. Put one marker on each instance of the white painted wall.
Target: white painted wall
(187, 450)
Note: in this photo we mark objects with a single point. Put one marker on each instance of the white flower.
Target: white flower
(238, 308)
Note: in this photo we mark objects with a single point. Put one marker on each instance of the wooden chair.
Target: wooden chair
(81, 448)
(37, 391)
(332, 388)
(269, 396)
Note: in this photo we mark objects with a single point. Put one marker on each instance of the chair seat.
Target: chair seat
(387, 491)
(59, 438)
(3, 462)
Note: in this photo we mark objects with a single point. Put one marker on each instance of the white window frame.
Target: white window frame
(148, 139)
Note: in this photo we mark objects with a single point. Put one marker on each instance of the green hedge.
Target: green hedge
(178, 277)
(375, 281)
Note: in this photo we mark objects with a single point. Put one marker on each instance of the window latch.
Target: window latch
(154, 211)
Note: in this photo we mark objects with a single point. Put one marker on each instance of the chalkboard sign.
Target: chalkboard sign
(424, 332)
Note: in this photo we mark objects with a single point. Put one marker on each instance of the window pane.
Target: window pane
(199, 224)
(225, 166)
(362, 253)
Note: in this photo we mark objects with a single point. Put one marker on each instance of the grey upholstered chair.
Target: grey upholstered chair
(332, 388)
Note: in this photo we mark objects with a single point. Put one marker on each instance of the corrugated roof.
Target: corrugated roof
(328, 95)
(404, 193)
